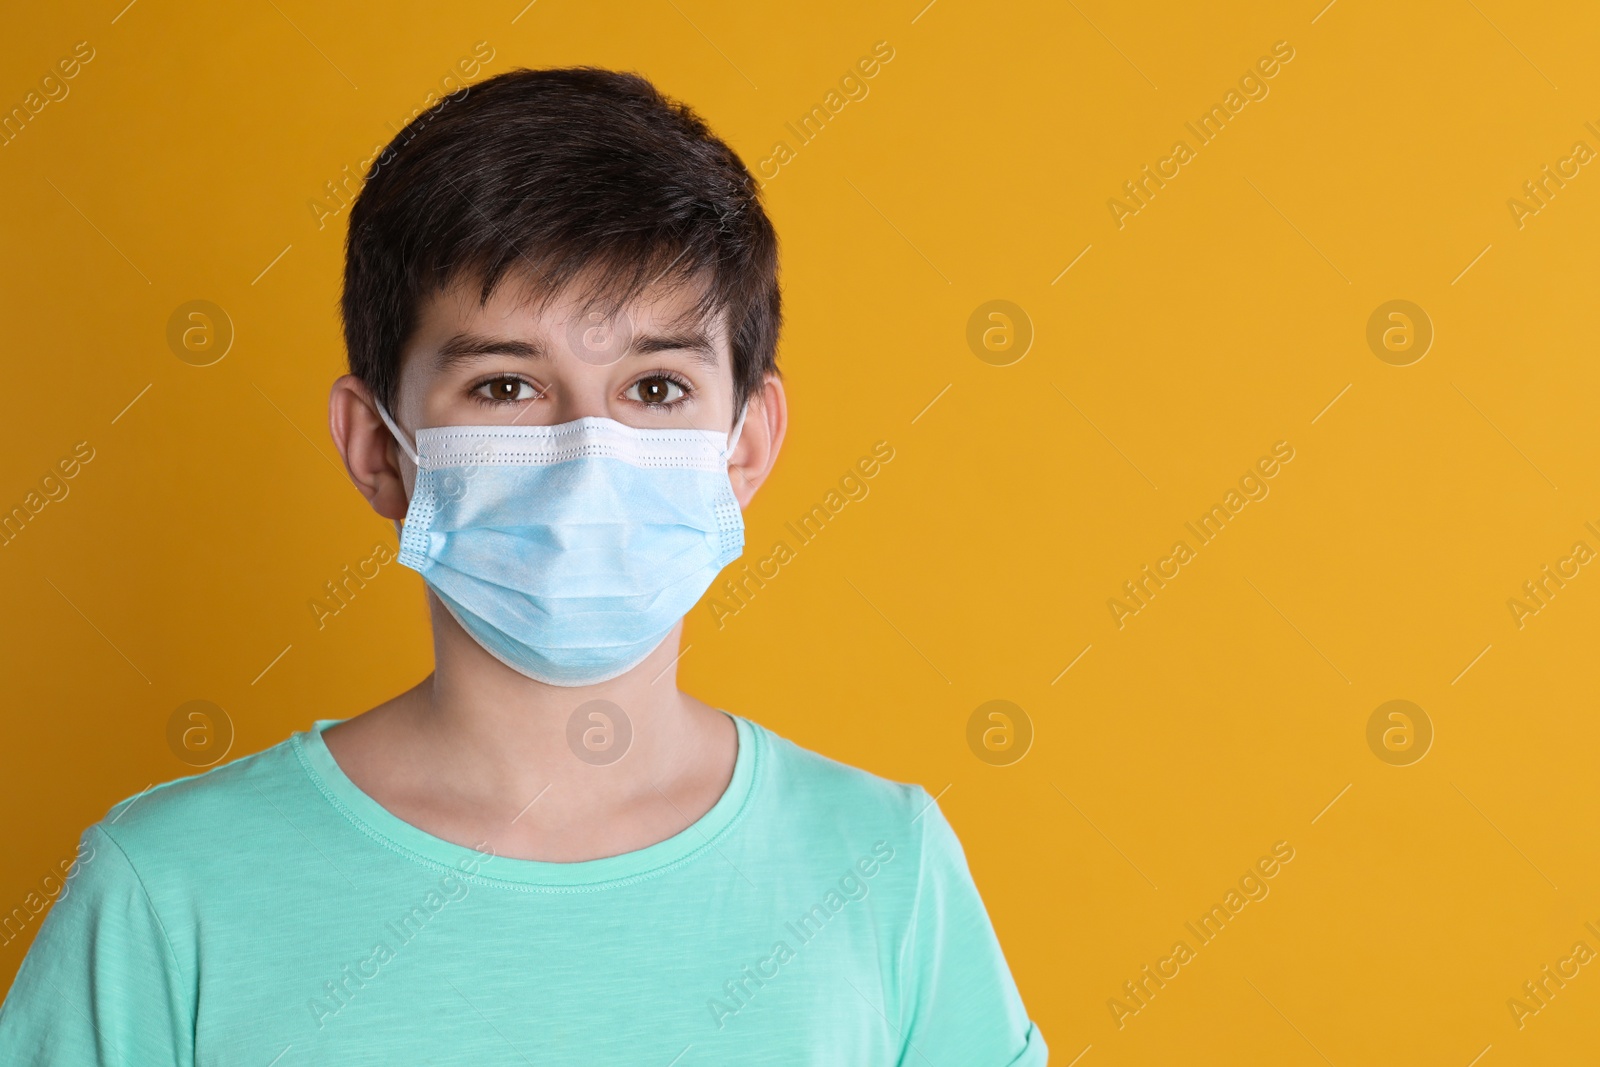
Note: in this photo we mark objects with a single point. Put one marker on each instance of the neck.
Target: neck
(485, 757)
(498, 735)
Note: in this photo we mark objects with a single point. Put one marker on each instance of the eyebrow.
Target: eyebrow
(464, 348)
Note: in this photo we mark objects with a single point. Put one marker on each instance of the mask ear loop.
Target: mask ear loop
(738, 428)
(400, 438)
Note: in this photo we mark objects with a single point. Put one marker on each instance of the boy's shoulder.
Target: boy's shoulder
(216, 805)
(820, 786)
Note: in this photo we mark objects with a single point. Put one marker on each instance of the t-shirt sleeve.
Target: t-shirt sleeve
(962, 1005)
(100, 985)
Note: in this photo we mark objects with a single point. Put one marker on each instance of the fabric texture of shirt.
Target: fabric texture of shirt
(270, 912)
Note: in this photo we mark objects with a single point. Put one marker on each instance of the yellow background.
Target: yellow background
(1225, 316)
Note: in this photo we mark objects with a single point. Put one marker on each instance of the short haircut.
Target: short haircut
(549, 176)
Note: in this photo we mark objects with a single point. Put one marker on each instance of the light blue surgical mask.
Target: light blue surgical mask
(570, 552)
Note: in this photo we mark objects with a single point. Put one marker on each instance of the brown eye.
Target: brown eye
(655, 390)
(508, 389)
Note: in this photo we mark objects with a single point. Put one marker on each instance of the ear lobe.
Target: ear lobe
(370, 453)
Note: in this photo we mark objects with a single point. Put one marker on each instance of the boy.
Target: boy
(561, 308)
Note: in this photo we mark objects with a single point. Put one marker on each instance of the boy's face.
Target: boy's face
(505, 362)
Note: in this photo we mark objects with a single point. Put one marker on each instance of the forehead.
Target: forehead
(518, 307)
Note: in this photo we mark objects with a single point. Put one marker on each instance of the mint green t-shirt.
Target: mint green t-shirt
(270, 914)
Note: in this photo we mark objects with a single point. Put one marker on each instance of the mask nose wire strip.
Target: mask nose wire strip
(411, 453)
(400, 438)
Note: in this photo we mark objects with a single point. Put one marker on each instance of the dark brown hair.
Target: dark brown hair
(551, 175)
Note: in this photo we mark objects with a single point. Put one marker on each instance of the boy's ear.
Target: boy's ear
(370, 453)
(759, 441)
